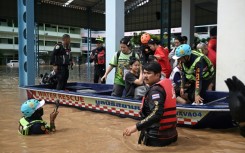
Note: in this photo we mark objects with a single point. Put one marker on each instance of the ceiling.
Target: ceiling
(91, 13)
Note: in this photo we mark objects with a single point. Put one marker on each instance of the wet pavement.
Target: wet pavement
(90, 132)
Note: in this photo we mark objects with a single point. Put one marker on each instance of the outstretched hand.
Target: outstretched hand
(236, 98)
(129, 130)
(53, 116)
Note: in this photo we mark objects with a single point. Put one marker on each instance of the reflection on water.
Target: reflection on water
(86, 131)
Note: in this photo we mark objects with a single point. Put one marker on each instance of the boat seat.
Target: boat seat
(105, 92)
(74, 88)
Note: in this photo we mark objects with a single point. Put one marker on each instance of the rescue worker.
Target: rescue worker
(197, 70)
(60, 59)
(158, 127)
(237, 101)
(98, 57)
(32, 123)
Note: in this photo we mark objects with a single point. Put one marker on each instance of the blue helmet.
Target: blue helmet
(182, 50)
(30, 106)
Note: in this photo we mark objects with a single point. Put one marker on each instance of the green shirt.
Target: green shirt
(122, 66)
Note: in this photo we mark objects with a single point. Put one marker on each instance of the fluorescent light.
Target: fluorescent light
(68, 2)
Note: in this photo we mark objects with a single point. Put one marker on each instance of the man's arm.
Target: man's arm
(54, 53)
(198, 83)
(92, 56)
(156, 102)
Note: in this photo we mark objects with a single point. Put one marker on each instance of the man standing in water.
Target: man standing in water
(61, 58)
(158, 127)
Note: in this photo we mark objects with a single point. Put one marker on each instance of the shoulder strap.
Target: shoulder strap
(118, 54)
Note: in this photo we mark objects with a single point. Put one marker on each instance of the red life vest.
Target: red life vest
(168, 119)
(101, 57)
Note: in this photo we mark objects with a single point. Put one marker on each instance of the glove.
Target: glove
(236, 98)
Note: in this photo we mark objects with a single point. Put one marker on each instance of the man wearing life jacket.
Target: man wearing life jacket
(158, 127)
(197, 70)
(32, 123)
(60, 59)
(98, 57)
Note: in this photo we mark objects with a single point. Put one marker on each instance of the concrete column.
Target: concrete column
(26, 42)
(230, 48)
(114, 31)
(188, 19)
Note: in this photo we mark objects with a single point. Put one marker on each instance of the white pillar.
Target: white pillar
(230, 42)
(114, 31)
(188, 19)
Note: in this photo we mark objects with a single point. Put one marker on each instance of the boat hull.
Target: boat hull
(96, 97)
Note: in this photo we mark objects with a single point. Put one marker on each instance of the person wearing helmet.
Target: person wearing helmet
(32, 123)
(197, 69)
(121, 62)
(161, 54)
(144, 48)
(98, 57)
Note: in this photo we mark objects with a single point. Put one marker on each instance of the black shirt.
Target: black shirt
(129, 84)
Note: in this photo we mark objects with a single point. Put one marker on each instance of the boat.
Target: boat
(13, 63)
(97, 97)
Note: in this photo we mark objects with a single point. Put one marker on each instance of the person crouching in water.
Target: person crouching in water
(32, 123)
(134, 78)
(158, 127)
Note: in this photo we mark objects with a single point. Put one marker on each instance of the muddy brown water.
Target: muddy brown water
(90, 132)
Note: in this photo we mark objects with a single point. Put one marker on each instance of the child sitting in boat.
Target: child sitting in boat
(134, 80)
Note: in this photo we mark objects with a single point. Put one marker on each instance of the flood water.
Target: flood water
(90, 132)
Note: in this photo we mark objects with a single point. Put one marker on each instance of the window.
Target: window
(6, 41)
(75, 45)
(50, 43)
(16, 40)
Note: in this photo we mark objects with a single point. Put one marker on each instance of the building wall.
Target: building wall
(230, 48)
(49, 35)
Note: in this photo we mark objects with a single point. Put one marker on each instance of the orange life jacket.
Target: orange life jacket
(169, 119)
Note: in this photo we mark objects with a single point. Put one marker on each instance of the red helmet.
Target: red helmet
(145, 38)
